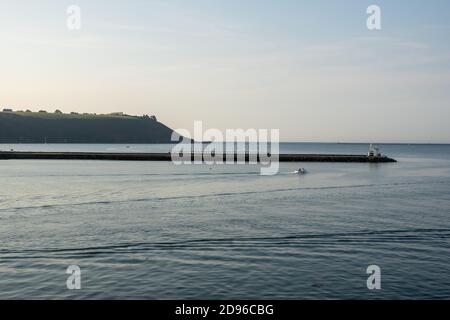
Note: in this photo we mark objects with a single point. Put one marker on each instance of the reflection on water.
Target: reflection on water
(155, 230)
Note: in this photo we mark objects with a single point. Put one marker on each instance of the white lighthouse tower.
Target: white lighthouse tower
(374, 152)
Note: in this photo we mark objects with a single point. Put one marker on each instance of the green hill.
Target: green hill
(42, 127)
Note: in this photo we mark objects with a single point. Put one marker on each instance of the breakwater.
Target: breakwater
(17, 155)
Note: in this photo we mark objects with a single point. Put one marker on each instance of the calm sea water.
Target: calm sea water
(152, 230)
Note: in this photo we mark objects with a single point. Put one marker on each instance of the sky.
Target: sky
(309, 68)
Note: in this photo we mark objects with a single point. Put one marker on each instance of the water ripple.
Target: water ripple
(317, 240)
(225, 194)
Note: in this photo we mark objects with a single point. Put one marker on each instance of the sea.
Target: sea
(155, 230)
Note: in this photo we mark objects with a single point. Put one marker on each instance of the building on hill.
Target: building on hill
(7, 110)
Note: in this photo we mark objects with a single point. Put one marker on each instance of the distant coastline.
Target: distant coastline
(44, 127)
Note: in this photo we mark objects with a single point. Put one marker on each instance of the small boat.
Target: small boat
(300, 171)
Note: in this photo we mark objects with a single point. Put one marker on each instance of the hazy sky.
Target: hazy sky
(310, 68)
